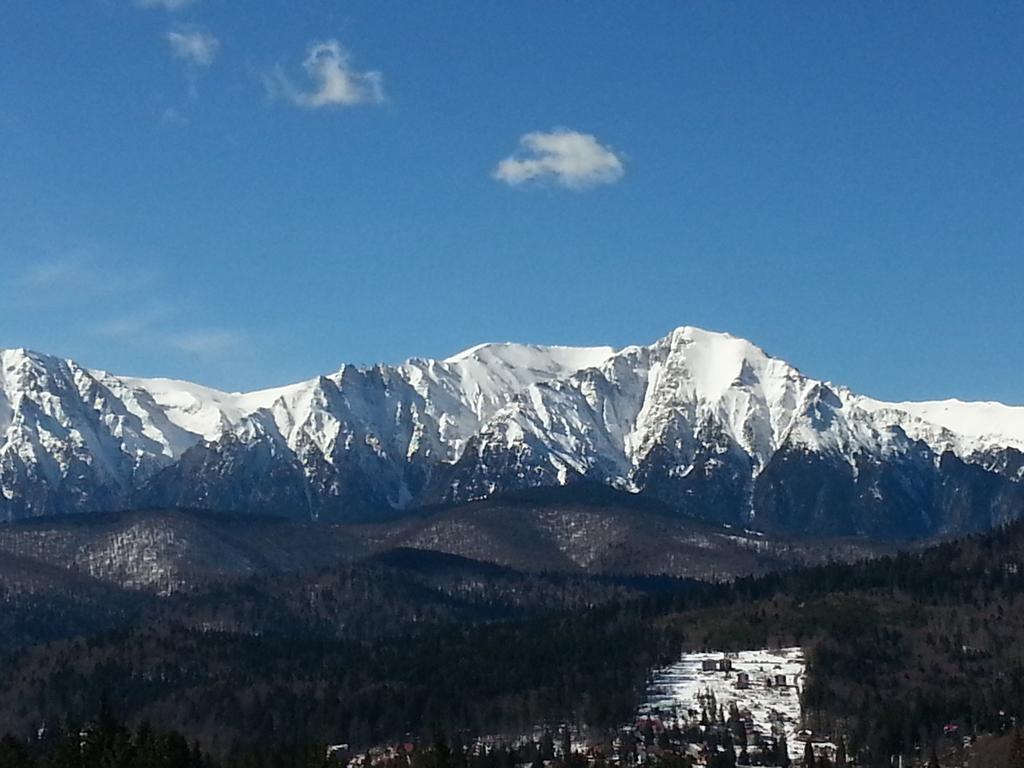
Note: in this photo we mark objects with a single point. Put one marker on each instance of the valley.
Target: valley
(686, 553)
(400, 641)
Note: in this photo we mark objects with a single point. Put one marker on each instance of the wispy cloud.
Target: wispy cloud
(82, 286)
(112, 298)
(151, 327)
(167, 5)
(80, 273)
(48, 273)
(335, 81)
(195, 47)
(154, 326)
(132, 324)
(174, 115)
(571, 159)
(206, 342)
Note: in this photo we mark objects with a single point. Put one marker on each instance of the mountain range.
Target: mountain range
(705, 423)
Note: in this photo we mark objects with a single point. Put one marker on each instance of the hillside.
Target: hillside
(895, 647)
(579, 529)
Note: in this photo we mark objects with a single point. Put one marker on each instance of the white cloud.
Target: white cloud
(569, 158)
(335, 82)
(167, 5)
(209, 342)
(194, 46)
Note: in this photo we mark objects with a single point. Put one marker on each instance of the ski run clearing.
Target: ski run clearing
(764, 683)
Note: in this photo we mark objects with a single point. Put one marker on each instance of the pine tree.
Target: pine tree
(442, 752)
(458, 749)
(782, 752)
(841, 753)
(547, 746)
(176, 751)
(809, 761)
(67, 751)
(196, 757)
(13, 754)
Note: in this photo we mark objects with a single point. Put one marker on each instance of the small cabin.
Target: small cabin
(725, 664)
(742, 680)
(709, 665)
(780, 681)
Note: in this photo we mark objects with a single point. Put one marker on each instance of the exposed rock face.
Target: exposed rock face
(705, 422)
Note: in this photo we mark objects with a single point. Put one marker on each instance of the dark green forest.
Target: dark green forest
(413, 645)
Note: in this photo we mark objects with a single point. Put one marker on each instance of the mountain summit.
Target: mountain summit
(705, 422)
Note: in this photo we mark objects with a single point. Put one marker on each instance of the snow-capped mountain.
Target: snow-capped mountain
(704, 421)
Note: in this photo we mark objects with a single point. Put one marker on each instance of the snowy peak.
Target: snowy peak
(713, 364)
(703, 420)
(717, 379)
(493, 374)
(550, 361)
(962, 427)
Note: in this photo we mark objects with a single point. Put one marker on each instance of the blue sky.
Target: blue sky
(247, 194)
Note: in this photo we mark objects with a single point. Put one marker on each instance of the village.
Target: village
(708, 709)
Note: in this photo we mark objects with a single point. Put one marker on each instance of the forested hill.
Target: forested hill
(413, 643)
(899, 647)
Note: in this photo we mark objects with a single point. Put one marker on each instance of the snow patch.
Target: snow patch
(686, 689)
